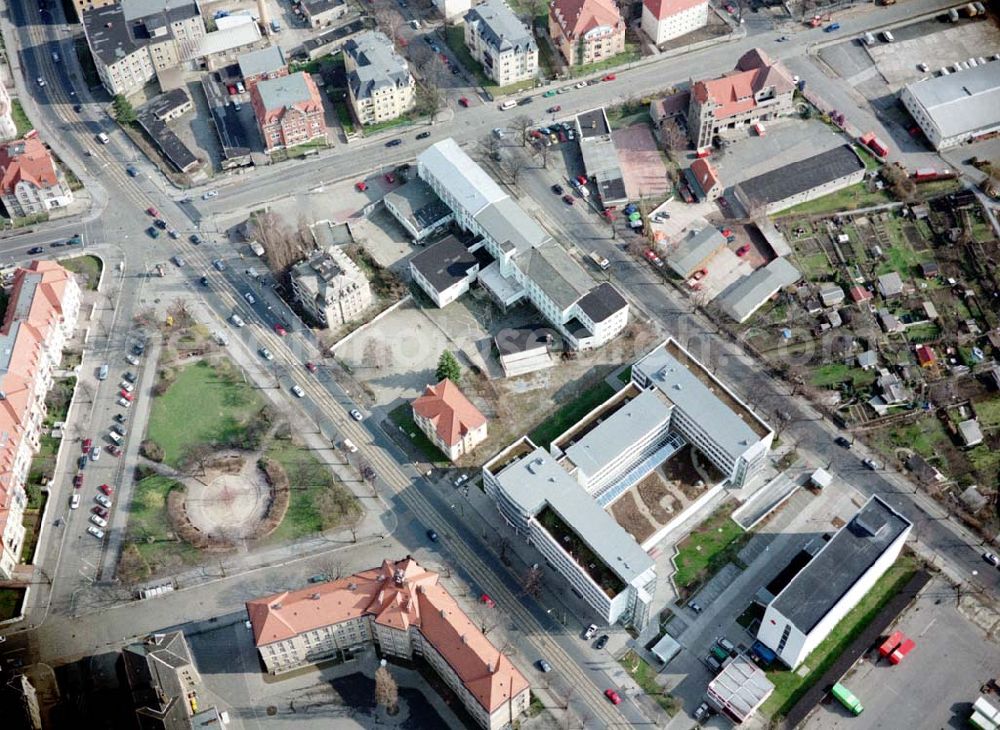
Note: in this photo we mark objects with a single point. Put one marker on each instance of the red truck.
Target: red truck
(891, 643)
(905, 648)
(869, 140)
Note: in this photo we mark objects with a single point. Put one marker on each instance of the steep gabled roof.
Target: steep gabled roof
(577, 17)
(662, 9)
(28, 161)
(452, 414)
(734, 93)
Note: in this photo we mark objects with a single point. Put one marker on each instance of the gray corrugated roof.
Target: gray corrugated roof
(378, 64)
(961, 102)
(500, 27)
(536, 480)
(556, 273)
(802, 175)
(691, 394)
(619, 431)
(284, 91)
(263, 61)
(744, 297)
(840, 564)
(465, 181)
(695, 248)
(505, 221)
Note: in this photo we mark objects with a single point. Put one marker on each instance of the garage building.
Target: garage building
(958, 107)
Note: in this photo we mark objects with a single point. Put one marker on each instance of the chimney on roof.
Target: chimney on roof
(489, 668)
(352, 586)
(463, 638)
(444, 614)
(315, 596)
(276, 606)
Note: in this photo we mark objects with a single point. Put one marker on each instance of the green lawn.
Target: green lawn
(705, 550)
(208, 403)
(645, 676)
(629, 55)
(988, 412)
(87, 268)
(403, 121)
(21, 120)
(402, 416)
(924, 332)
(834, 373)
(343, 114)
(625, 376)
(815, 265)
(570, 413)
(454, 36)
(850, 198)
(10, 602)
(923, 436)
(157, 549)
(789, 686)
(870, 160)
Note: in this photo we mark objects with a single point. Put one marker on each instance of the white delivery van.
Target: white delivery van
(509, 104)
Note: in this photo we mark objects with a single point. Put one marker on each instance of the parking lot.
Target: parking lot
(897, 62)
(935, 685)
(642, 164)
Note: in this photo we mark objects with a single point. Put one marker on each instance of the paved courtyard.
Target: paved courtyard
(641, 161)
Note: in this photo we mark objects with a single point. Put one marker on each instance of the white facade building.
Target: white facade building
(379, 81)
(501, 43)
(331, 287)
(452, 9)
(958, 107)
(839, 575)
(663, 20)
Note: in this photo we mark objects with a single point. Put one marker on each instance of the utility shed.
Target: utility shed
(740, 689)
(821, 478)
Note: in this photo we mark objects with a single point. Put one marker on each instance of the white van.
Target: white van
(237, 320)
(116, 437)
(103, 138)
(869, 39)
(509, 104)
(349, 445)
(887, 36)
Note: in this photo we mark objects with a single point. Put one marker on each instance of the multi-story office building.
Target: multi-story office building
(402, 608)
(41, 314)
(758, 89)
(30, 182)
(838, 576)
(663, 20)
(527, 262)
(163, 681)
(449, 419)
(289, 110)
(331, 288)
(501, 43)
(586, 31)
(379, 82)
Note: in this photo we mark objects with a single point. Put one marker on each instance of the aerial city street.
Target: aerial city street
(504, 364)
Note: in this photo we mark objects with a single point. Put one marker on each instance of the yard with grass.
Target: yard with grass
(402, 416)
(631, 54)
(151, 545)
(713, 544)
(645, 676)
(835, 373)
(570, 413)
(21, 120)
(10, 602)
(922, 436)
(207, 403)
(789, 685)
(850, 198)
(87, 269)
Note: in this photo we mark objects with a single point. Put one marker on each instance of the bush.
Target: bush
(151, 450)
(281, 495)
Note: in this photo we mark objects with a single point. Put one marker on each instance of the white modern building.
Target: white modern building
(417, 209)
(452, 10)
(331, 288)
(501, 43)
(663, 20)
(838, 576)
(527, 263)
(958, 107)
(379, 81)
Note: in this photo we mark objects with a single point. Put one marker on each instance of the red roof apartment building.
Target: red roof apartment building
(401, 607)
(586, 31)
(758, 89)
(289, 110)
(30, 182)
(449, 419)
(663, 20)
(41, 315)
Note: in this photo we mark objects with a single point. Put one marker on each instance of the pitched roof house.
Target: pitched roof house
(449, 419)
(29, 180)
(586, 31)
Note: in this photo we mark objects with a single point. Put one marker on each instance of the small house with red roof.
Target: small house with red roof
(859, 294)
(449, 419)
(757, 90)
(926, 356)
(403, 608)
(30, 182)
(586, 31)
(663, 20)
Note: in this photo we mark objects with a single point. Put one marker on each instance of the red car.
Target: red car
(463, 101)
(280, 329)
(727, 233)
(126, 395)
(609, 77)
(153, 212)
(485, 598)
(311, 367)
(114, 450)
(78, 481)
(609, 214)
(106, 489)
(361, 186)
(100, 511)
(582, 179)
(613, 696)
(85, 446)
(743, 250)
(390, 178)
(231, 89)
(651, 256)
(568, 199)
(554, 109)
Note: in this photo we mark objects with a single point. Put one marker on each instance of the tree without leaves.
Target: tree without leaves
(386, 691)
(513, 166)
(542, 153)
(521, 124)
(531, 584)
(490, 145)
(429, 98)
(448, 367)
(282, 246)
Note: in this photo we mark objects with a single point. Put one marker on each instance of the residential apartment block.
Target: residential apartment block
(379, 81)
(8, 128)
(586, 31)
(322, 13)
(289, 111)
(840, 573)
(451, 10)
(758, 89)
(41, 315)
(163, 681)
(502, 44)
(30, 182)
(331, 288)
(527, 263)
(663, 20)
(449, 419)
(401, 607)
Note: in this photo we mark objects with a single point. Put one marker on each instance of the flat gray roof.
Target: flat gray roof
(284, 91)
(262, 61)
(500, 27)
(701, 403)
(615, 434)
(961, 102)
(466, 182)
(506, 222)
(536, 480)
(602, 302)
(593, 123)
(515, 340)
(803, 175)
(741, 687)
(695, 248)
(746, 296)
(174, 9)
(840, 564)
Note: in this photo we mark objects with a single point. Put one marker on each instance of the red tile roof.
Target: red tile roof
(925, 355)
(449, 410)
(665, 8)
(399, 594)
(577, 17)
(734, 92)
(26, 160)
(705, 174)
(860, 294)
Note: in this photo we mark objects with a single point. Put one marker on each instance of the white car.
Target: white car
(349, 445)
(96, 532)
(299, 393)
(461, 480)
(132, 359)
(126, 386)
(356, 414)
(102, 500)
(41, 81)
(99, 521)
(219, 264)
(124, 403)
(266, 354)
(582, 85)
(250, 298)
(95, 453)
(74, 501)
(209, 194)
(498, 133)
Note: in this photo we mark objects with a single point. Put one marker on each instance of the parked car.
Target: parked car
(74, 500)
(96, 532)
(870, 464)
(114, 450)
(485, 598)
(841, 441)
(85, 446)
(95, 453)
(601, 642)
(609, 77)
(701, 712)
(152, 232)
(102, 500)
(991, 559)
(394, 143)
(423, 135)
(98, 520)
(613, 696)
(78, 481)
(106, 489)
(558, 189)
(356, 414)
(348, 445)
(463, 101)
(590, 632)
(743, 250)
(35, 249)
(554, 109)
(361, 186)
(568, 199)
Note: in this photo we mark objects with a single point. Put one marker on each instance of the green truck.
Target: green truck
(845, 697)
